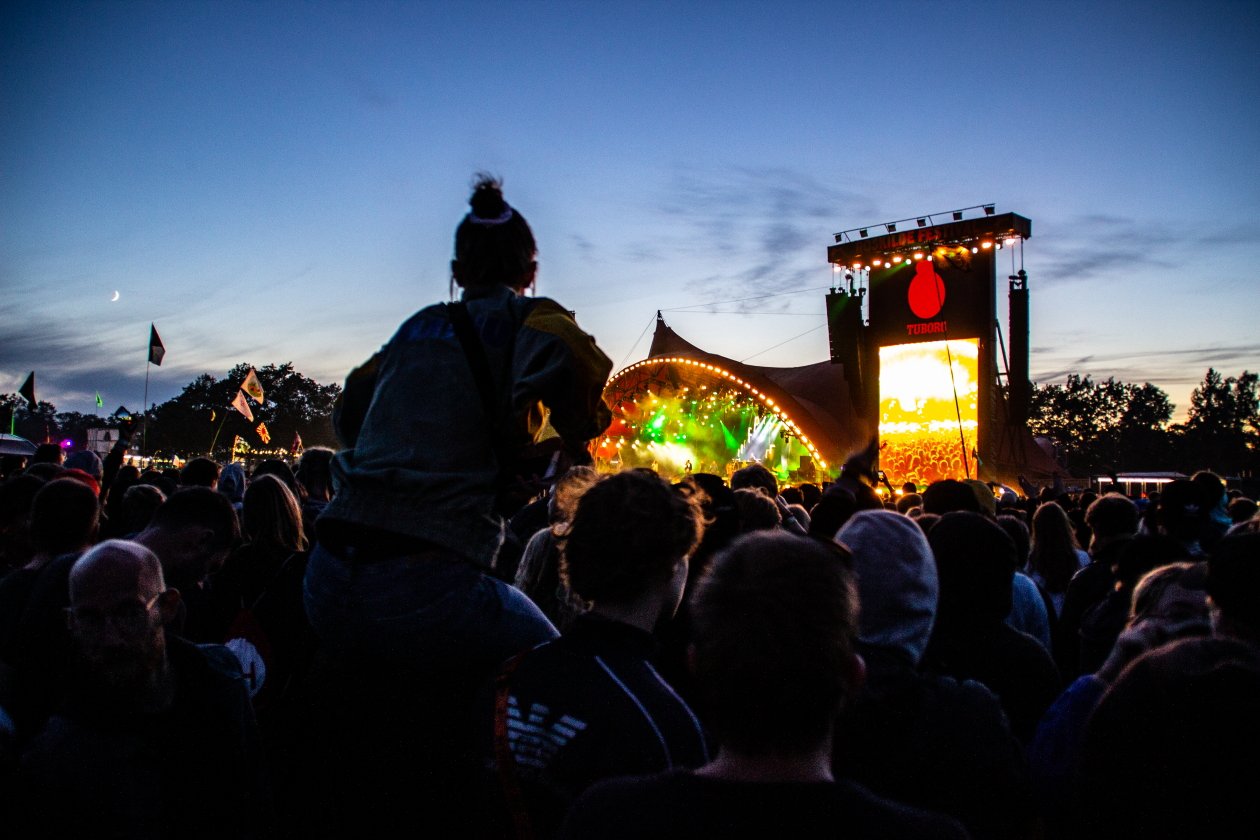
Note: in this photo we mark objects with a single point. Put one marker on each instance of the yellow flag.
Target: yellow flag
(253, 387)
(263, 433)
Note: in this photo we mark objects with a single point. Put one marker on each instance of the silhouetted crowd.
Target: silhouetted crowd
(453, 626)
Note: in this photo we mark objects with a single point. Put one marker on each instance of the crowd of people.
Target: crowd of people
(455, 626)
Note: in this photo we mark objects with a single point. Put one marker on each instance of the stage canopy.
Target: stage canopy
(682, 410)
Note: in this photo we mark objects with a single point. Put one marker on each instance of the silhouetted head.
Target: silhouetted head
(232, 482)
(281, 470)
(1234, 584)
(757, 512)
(1112, 515)
(1020, 536)
(494, 245)
(192, 533)
(975, 560)
(755, 476)
(48, 453)
(775, 622)
(1170, 750)
(118, 605)
(314, 472)
(64, 517)
(630, 535)
(947, 495)
(896, 581)
(271, 515)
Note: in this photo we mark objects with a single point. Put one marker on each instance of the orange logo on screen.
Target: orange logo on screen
(927, 291)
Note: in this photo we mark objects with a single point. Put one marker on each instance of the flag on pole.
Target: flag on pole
(296, 448)
(156, 349)
(28, 389)
(239, 403)
(239, 445)
(263, 433)
(212, 415)
(100, 403)
(252, 386)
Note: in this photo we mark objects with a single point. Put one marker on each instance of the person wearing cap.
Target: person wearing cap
(953, 733)
(89, 462)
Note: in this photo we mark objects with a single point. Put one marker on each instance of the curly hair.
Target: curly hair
(757, 512)
(627, 536)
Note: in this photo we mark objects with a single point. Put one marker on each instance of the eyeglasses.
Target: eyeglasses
(131, 617)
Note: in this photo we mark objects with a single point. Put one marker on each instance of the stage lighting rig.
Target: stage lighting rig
(976, 228)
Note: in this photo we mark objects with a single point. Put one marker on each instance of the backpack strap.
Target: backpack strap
(466, 332)
(505, 763)
(479, 364)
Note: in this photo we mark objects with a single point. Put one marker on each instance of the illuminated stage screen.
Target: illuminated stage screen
(919, 420)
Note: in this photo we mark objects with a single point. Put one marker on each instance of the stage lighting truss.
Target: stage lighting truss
(909, 252)
(762, 398)
(926, 220)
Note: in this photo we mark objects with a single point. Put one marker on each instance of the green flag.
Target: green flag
(100, 403)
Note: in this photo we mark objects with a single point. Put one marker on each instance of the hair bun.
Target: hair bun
(487, 198)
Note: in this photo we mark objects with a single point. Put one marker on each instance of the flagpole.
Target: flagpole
(144, 434)
(215, 439)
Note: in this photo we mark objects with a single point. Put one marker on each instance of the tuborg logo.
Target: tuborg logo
(926, 294)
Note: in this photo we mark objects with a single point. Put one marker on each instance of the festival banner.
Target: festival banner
(252, 386)
(240, 404)
(263, 433)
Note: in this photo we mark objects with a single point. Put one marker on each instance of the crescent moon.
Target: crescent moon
(115, 297)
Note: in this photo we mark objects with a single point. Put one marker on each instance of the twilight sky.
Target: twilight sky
(277, 181)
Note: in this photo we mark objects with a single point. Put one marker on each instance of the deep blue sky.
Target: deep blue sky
(272, 182)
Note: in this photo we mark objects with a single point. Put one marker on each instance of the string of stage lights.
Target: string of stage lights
(722, 423)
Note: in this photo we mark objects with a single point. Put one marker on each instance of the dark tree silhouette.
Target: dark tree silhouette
(1222, 429)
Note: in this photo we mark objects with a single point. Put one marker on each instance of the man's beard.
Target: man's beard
(123, 677)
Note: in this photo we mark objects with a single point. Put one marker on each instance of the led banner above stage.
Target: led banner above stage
(947, 293)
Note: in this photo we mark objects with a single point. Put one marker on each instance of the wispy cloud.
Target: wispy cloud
(1236, 235)
(1180, 367)
(1094, 245)
(771, 222)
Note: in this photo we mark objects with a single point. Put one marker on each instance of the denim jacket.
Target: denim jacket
(421, 457)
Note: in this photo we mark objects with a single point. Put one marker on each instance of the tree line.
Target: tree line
(1106, 426)
(199, 420)
(1097, 427)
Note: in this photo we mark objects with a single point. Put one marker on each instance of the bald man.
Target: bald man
(191, 534)
(156, 737)
(119, 604)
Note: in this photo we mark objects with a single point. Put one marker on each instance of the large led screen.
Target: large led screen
(927, 410)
